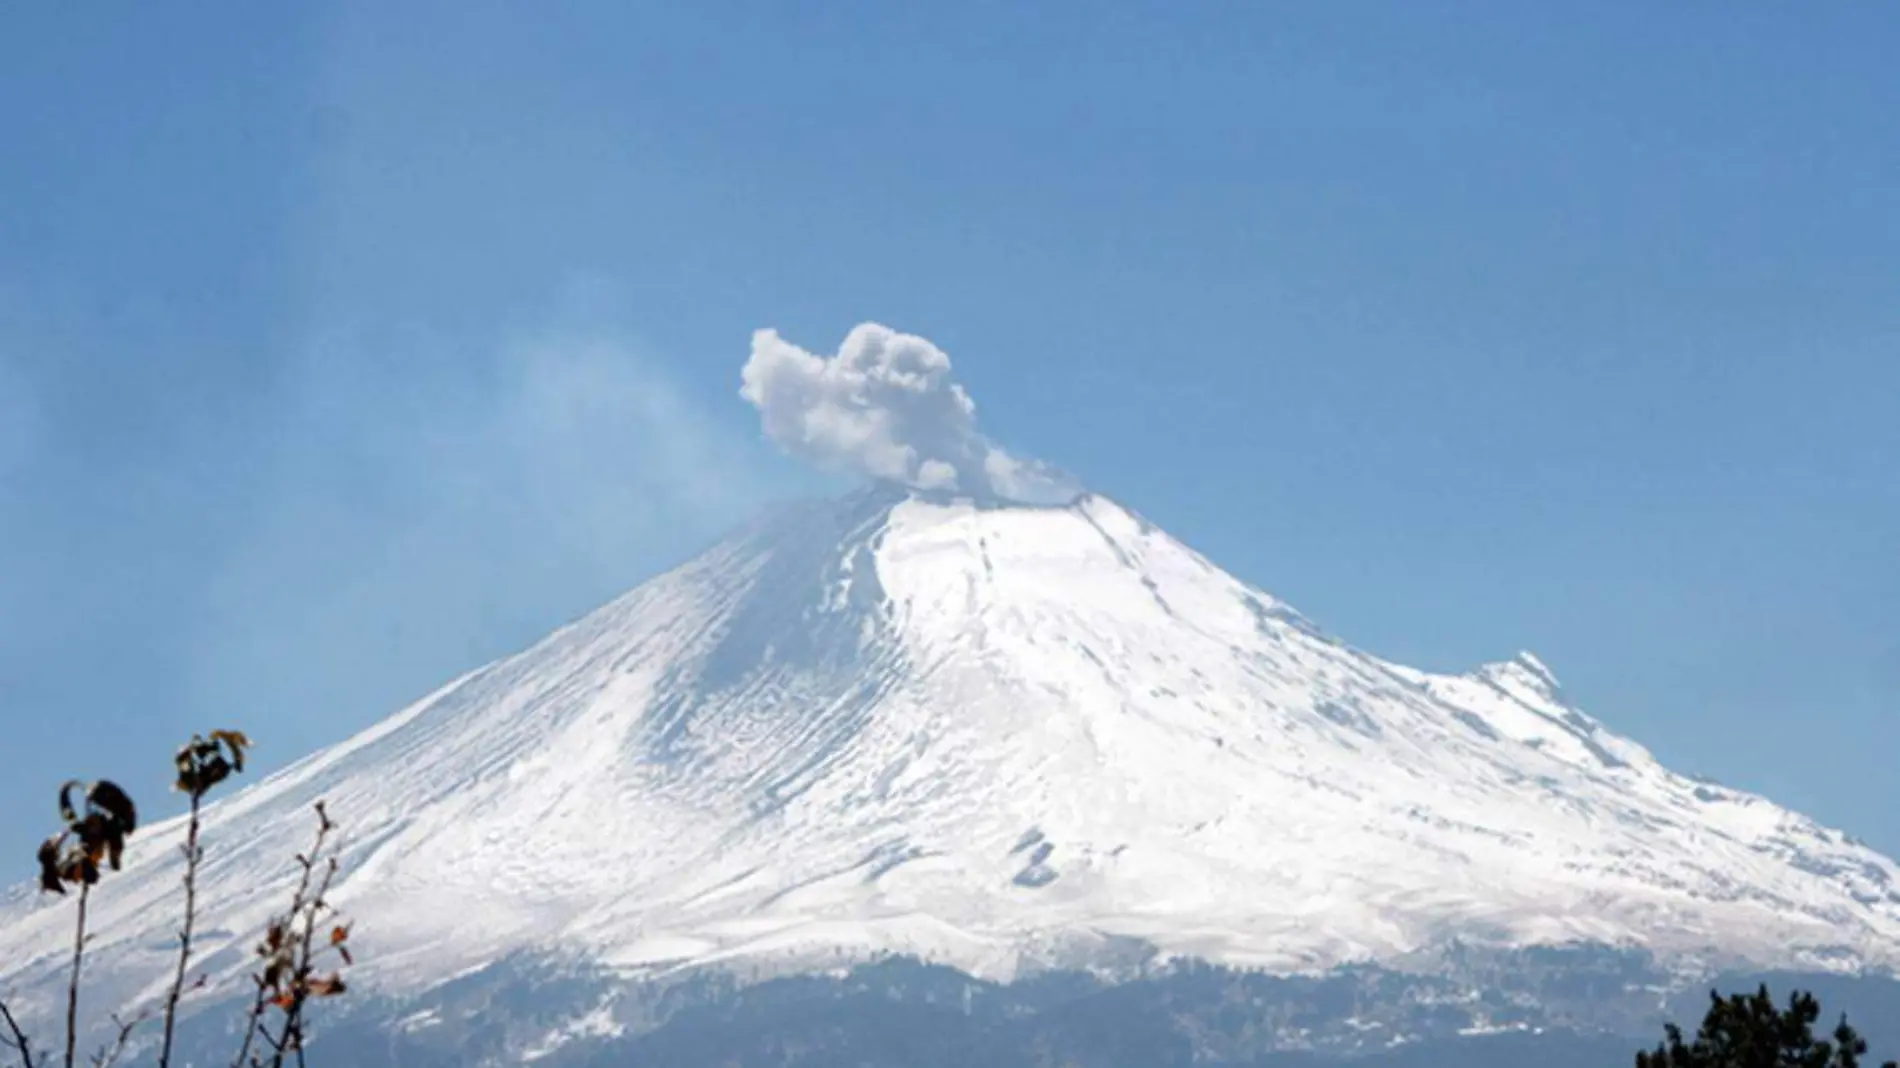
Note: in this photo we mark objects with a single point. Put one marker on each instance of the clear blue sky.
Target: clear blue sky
(343, 347)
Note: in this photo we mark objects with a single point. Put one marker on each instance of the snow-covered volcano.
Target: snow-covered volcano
(992, 736)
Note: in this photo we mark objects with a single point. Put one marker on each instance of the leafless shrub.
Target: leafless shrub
(300, 956)
(290, 954)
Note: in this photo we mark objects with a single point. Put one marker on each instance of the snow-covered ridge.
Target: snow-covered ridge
(996, 737)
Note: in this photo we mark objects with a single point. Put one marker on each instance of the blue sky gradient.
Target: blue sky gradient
(344, 348)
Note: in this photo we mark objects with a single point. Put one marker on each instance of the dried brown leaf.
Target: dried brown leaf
(212, 772)
(50, 865)
(106, 796)
(68, 813)
(235, 741)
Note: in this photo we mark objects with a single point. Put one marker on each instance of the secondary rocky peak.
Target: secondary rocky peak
(1525, 672)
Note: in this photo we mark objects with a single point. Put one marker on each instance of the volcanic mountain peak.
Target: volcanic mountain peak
(994, 736)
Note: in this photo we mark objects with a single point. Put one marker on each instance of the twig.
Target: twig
(254, 1026)
(109, 1055)
(18, 1041)
(192, 855)
(290, 1036)
(317, 906)
(72, 988)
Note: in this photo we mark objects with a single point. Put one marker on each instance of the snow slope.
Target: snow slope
(997, 737)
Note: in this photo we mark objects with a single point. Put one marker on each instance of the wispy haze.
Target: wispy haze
(554, 467)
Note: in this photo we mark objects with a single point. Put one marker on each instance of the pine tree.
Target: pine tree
(1749, 1031)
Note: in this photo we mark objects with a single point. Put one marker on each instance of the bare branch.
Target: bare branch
(110, 1054)
(253, 1026)
(193, 853)
(290, 1037)
(286, 979)
(72, 986)
(18, 1041)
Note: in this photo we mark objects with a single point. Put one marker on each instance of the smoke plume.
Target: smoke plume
(887, 406)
